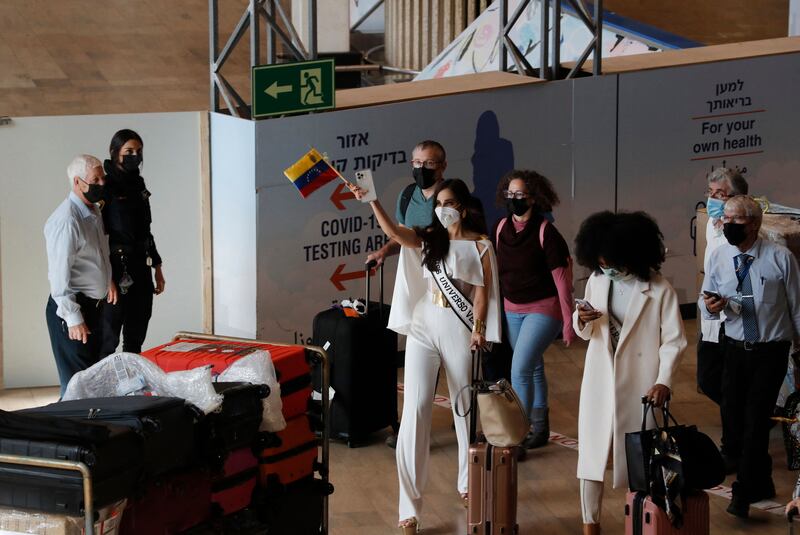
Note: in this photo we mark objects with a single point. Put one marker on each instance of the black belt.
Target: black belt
(85, 301)
(755, 346)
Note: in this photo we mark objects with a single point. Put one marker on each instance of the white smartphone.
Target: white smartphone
(365, 182)
(584, 304)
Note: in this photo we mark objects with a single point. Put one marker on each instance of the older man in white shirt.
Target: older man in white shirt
(723, 183)
(79, 270)
(757, 285)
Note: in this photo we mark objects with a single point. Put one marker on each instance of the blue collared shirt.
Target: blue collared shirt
(78, 259)
(776, 290)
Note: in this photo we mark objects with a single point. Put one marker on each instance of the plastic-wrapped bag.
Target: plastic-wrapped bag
(125, 374)
(257, 368)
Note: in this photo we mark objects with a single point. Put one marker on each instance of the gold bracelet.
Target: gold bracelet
(479, 327)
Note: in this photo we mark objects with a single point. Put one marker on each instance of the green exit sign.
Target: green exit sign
(293, 87)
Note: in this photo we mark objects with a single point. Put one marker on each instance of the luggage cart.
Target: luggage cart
(318, 357)
(88, 505)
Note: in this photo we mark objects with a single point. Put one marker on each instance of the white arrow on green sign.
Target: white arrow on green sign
(274, 90)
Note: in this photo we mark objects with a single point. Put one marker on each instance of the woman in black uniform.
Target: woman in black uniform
(127, 219)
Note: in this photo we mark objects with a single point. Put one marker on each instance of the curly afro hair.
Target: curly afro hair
(539, 188)
(628, 241)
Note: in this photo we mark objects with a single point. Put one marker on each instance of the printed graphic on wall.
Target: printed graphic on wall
(476, 48)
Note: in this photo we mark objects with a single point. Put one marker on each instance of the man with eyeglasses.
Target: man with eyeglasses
(79, 271)
(415, 203)
(723, 183)
(756, 284)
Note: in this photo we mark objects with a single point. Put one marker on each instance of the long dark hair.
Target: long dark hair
(118, 140)
(630, 241)
(435, 239)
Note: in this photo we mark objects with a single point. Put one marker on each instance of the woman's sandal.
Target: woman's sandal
(409, 526)
(465, 499)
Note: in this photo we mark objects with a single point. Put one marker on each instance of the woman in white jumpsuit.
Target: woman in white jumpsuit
(633, 324)
(437, 334)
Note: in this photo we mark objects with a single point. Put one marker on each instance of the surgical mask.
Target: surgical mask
(735, 233)
(95, 193)
(424, 177)
(615, 275)
(131, 162)
(447, 216)
(518, 207)
(715, 208)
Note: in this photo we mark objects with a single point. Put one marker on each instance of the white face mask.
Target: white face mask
(447, 216)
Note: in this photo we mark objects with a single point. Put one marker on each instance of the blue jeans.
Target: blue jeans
(530, 334)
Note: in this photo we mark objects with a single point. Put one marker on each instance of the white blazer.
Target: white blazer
(650, 345)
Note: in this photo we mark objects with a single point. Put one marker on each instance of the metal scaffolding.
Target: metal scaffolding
(270, 11)
(551, 37)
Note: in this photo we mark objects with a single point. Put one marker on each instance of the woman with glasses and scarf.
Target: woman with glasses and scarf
(630, 316)
(446, 301)
(533, 262)
(134, 257)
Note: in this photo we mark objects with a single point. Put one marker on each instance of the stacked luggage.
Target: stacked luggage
(168, 465)
(289, 497)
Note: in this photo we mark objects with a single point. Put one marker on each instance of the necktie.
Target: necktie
(749, 322)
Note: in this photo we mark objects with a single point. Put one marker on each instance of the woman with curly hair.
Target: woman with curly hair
(533, 261)
(631, 319)
(446, 301)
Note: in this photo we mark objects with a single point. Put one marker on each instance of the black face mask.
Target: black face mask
(95, 193)
(130, 162)
(518, 207)
(735, 233)
(424, 177)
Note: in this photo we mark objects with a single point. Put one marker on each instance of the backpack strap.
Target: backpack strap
(500, 225)
(405, 198)
(541, 232)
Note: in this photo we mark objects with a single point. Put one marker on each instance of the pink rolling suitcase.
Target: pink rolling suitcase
(643, 517)
(492, 508)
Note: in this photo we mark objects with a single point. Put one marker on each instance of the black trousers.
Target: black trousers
(73, 356)
(131, 315)
(750, 385)
(710, 363)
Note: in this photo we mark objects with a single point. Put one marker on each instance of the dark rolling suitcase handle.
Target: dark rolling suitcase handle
(368, 267)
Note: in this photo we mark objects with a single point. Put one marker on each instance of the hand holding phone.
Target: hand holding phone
(712, 295)
(365, 182)
(584, 304)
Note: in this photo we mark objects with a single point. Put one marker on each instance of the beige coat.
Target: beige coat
(651, 343)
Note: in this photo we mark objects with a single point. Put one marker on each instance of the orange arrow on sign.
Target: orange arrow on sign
(338, 277)
(340, 195)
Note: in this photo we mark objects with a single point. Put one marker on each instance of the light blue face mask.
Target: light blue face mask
(715, 208)
(615, 275)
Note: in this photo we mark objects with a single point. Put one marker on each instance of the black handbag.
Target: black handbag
(702, 466)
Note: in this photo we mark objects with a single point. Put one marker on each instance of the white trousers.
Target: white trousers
(437, 338)
(591, 500)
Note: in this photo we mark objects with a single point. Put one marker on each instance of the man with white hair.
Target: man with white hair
(79, 270)
(723, 183)
(757, 284)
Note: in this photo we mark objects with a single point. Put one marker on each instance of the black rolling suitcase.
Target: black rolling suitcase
(167, 425)
(112, 453)
(235, 425)
(363, 364)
